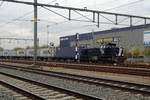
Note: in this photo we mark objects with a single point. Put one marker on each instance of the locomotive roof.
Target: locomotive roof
(109, 45)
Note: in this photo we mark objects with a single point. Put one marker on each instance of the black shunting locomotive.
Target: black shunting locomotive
(105, 53)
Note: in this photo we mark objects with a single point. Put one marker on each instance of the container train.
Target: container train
(104, 53)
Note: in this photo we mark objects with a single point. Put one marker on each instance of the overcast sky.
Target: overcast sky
(58, 26)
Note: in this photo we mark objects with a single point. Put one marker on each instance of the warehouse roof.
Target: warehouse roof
(66, 40)
(123, 29)
(89, 35)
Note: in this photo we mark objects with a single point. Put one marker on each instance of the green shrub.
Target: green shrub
(147, 51)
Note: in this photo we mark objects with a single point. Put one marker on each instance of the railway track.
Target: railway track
(146, 66)
(37, 91)
(112, 69)
(7, 93)
(117, 85)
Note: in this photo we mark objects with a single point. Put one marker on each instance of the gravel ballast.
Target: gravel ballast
(94, 90)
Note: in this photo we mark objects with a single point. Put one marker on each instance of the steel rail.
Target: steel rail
(67, 91)
(133, 87)
(90, 67)
(127, 65)
(21, 91)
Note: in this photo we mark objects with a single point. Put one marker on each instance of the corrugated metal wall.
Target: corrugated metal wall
(128, 37)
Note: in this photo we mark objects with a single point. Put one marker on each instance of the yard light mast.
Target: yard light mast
(35, 31)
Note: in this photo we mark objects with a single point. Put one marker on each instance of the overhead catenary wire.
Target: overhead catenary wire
(120, 6)
(55, 12)
(138, 21)
(107, 2)
(76, 19)
(1, 3)
(13, 20)
(22, 16)
(83, 15)
(83, 26)
(89, 20)
(124, 5)
(56, 0)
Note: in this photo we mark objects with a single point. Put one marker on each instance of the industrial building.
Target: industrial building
(128, 38)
